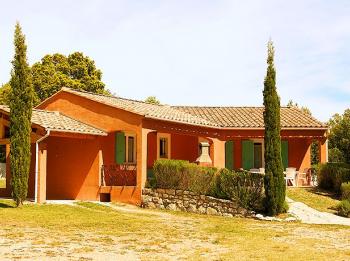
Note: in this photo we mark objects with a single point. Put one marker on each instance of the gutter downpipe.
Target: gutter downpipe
(37, 163)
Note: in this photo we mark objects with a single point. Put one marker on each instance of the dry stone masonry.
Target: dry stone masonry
(183, 200)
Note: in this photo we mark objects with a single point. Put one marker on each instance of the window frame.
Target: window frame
(127, 135)
(261, 141)
(164, 136)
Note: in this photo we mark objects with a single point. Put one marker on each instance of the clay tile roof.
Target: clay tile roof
(55, 121)
(161, 112)
(215, 117)
(252, 117)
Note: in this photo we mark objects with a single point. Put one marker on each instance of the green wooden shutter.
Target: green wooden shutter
(229, 155)
(120, 147)
(284, 153)
(247, 154)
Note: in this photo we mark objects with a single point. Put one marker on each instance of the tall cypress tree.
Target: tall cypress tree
(21, 102)
(275, 188)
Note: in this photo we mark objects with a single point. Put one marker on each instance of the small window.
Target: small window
(258, 156)
(130, 150)
(2, 166)
(164, 146)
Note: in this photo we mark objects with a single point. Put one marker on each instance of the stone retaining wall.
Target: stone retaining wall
(190, 202)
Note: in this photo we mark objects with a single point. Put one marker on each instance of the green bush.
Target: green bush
(180, 174)
(244, 187)
(345, 190)
(344, 208)
(330, 176)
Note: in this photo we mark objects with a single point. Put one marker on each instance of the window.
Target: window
(130, 150)
(258, 155)
(2, 166)
(163, 146)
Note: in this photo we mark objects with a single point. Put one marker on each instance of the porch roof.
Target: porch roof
(56, 121)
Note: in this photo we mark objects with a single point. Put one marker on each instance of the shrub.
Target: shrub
(344, 208)
(345, 190)
(180, 174)
(243, 187)
(331, 175)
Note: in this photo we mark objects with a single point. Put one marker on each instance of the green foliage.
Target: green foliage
(343, 208)
(53, 72)
(243, 187)
(315, 153)
(335, 155)
(74, 71)
(345, 190)
(275, 188)
(339, 137)
(330, 176)
(180, 174)
(5, 91)
(21, 103)
(152, 100)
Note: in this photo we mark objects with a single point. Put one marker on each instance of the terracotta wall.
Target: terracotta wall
(72, 168)
(183, 147)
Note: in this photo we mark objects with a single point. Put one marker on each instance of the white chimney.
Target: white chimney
(204, 158)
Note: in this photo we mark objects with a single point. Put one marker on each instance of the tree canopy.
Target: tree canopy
(339, 137)
(55, 71)
(152, 100)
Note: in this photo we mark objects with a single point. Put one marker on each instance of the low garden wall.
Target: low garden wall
(188, 201)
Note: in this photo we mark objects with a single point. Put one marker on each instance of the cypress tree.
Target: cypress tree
(21, 102)
(275, 188)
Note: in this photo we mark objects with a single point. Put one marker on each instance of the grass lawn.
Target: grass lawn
(2, 183)
(91, 231)
(315, 198)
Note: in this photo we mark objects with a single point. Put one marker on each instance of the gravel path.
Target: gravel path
(312, 216)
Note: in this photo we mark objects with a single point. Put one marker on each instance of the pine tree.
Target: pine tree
(21, 102)
(274, 180)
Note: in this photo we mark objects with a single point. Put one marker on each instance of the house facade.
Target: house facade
(94, 147)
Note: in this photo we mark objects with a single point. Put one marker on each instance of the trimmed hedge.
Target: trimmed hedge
(330, 176)
(180, 174)
(243, 187)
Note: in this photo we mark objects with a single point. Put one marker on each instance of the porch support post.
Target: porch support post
(323, 150)
(306, 162)
(142, 158)
(218, 153)
(42, 173)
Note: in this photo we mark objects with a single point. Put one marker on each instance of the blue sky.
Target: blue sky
(196, 52)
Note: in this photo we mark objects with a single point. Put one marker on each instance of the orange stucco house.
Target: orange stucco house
(94, 147)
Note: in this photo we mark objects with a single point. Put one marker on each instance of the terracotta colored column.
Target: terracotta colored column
(306, 162)
(42, 173)
(142, 158)
(218, 153)
(323, 150)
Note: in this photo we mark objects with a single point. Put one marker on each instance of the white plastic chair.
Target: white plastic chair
(262, 170)
(290, 176)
